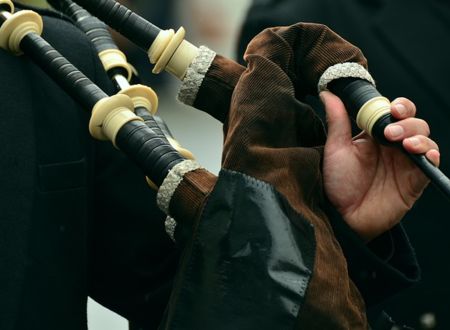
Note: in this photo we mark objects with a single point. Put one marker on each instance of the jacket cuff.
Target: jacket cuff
(195, 74)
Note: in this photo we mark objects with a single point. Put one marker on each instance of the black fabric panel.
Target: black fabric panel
(249, 264)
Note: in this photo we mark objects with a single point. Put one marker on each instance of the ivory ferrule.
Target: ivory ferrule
(16, 27)
(371, 112)
(114, 58)
(8, 3)
(142, 96)
(109, 115)
(172, 53)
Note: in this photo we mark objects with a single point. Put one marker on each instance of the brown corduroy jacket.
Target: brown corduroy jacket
(272, 136)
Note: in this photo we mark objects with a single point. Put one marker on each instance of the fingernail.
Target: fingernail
(436, 154)
(395, 131)
(414, 141)
(322, 96)
(434, 157)
(400, 108)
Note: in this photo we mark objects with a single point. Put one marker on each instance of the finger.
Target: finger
(338, 121)
(420, 144)
(406, 128)
(402, 108)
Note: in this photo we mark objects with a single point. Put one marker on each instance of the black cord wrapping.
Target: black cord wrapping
(148, 149)
(134, 27)
(150, 121)
(95, 30)
(355, 93)
(74, 83)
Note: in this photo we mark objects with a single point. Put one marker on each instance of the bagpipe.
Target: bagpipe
(257, 244)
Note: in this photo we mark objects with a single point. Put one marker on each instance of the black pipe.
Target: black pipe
(131, 25)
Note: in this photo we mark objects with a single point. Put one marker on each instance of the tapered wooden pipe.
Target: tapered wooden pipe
(120, 71)
(112, 118)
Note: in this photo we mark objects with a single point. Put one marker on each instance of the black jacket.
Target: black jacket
(76, 217)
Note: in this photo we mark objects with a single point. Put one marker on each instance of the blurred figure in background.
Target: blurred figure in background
(215, 24)
(405, 43)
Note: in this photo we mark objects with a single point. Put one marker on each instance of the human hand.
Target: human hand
(373, 186)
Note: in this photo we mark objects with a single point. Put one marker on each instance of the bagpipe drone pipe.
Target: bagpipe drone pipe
(122, 74)
(257, 244)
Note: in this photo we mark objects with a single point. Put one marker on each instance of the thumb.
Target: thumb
(338, 121)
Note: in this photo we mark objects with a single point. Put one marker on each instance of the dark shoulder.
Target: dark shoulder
(45, 12)
(58, 28)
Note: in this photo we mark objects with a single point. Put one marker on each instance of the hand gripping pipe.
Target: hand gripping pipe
(372, 113)
(120, 71)
(350, 81)
(112, 117)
